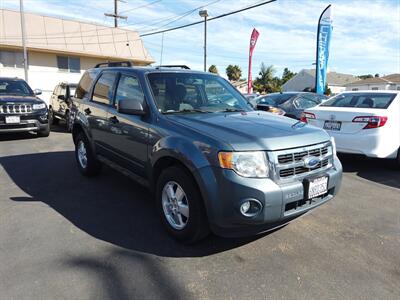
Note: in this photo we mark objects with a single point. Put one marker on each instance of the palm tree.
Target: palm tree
(234, 72)
(213, 69)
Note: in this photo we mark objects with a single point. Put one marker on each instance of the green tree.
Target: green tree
(213, 69)
(365, 76)
(376, 75)
(234, 72)
(287, 75)
(267, 82)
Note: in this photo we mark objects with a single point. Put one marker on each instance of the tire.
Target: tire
(52, 118)
(190, 207)
(398, 159)
(87, 163)
(68, 123)
(44, 132)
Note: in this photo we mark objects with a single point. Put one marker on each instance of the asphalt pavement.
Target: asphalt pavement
(63, 236)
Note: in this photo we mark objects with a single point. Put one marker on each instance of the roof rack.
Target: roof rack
(114, 64)
(173, 66)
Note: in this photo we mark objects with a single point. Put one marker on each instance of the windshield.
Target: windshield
(274, 99)
(14, 87)
(361, 100)
(191, 92)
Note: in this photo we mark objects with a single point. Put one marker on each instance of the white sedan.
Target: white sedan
(362, 122)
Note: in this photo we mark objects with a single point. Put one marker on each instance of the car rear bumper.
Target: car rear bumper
(370, 142)
(224, 191)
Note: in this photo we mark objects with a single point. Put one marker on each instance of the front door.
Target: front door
(128, 134)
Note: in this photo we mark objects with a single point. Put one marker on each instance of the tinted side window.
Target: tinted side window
(85, 83)
(129, 88)
(103, 89)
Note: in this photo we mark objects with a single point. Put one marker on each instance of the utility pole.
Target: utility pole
(204, 14)
(21, 11)
(115, 15)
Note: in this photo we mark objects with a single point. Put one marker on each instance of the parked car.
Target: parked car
(20, 108)
(215, 164)
(362, 122)
(292, 103)
(251, 96)
(61, 102)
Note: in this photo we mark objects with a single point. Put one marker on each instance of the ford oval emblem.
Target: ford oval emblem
(311, 161)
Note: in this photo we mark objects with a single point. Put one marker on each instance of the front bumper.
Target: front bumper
(36, 121)
(224, 191)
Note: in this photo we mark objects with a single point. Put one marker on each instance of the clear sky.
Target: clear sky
(366, 34)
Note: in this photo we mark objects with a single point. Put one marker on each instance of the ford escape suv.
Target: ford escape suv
(20, 108)
(212, 162)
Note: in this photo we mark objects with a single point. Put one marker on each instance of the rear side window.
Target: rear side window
(82, 91)
(129, 88)
(304, 102)
(361, 100)
(103, 89)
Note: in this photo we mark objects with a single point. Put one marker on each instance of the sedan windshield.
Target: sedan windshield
(361, 100)
(14, 87)
(274, 99)
(195, 93)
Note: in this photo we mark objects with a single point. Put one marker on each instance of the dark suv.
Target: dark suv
(21, 109)
(61, 102)
(210, 159)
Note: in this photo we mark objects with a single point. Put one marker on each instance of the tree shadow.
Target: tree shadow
(109, 207)
(383, 171)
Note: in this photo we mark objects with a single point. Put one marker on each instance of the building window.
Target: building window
(69, 64)
(354, 89)
(12, 59)
(398, 87)
(375, 89)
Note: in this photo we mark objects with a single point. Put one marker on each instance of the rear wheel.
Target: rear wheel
(68, 122)
(87, 163)
(180, 205)
(52, 118)
(398, 158)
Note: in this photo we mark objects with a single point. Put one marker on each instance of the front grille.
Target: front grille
(15, 108)
(289, 163)
(298, 156)
(300, 170)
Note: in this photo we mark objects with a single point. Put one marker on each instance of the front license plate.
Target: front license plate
(317, 187)
(333, 125)
(12, 120)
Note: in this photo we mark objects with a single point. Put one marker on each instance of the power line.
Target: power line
(142, 6)
(210, 19)
(115, 15)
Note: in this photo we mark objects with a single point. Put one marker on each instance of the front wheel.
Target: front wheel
(180, 205)
(87, 163)
(44, 132)
(398, 158)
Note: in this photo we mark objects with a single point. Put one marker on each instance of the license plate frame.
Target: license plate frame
(333, 125)
(316, 186)
(13, 120)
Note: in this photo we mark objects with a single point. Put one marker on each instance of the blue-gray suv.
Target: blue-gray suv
(211, 161)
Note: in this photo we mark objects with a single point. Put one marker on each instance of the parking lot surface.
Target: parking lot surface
(63, 236)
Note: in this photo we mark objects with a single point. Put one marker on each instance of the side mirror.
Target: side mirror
(263, 107)
(37, 92)
(130, 107)
(61, 97)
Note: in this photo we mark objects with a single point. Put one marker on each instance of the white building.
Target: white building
(389, 82)
(61, 50)
(305, 80)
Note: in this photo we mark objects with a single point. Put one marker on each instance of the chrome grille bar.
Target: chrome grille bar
(15, 108)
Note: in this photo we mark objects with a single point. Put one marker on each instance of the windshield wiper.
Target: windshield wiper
(186, 110)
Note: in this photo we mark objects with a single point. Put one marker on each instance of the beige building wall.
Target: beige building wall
(43, 71)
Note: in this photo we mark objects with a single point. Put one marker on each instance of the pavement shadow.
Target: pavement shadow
(17, 136)
(109, 207)
(383, 171)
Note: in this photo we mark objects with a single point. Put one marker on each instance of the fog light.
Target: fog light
(43, 117)
(250, 207)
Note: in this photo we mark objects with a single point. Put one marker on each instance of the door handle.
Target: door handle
(87, 111)
(113, 119)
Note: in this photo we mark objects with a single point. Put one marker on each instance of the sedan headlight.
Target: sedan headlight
(246, 164)
(39, 106)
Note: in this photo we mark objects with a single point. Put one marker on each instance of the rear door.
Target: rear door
(338, 115)
(127, 135)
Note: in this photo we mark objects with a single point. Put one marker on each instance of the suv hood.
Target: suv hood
(253, 130)
(4, 99)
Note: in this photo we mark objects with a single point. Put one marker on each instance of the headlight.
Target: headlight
(39, 106)
(333, 143)
(246, 164)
